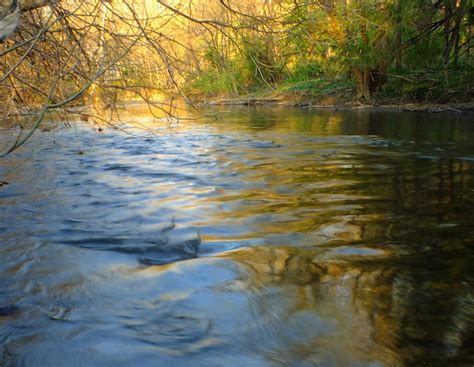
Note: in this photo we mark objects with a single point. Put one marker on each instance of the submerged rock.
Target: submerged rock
(172, 251)
(188, 246)
(168, 244)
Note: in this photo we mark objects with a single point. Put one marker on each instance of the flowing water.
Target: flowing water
(268, 237)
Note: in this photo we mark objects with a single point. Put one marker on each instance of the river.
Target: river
(264, 237)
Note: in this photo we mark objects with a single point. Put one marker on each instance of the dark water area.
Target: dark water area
(267, 237)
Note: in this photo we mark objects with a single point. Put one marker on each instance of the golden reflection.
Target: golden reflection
(356, 299)
(334, 125)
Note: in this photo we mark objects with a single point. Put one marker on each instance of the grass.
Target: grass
(318, 88)
(439, 86)
(309, 83)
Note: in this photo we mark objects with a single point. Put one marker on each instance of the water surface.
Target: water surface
(266, 237)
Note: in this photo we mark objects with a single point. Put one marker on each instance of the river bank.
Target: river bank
(341, 104)
(427, 93)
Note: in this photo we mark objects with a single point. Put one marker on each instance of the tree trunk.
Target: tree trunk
(399, 36)
(460, 12)
(447, 31)
(363, 80)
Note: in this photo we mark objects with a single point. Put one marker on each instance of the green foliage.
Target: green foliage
(385, 48)
(214, 58)
(318, 88)
(306, 71)
(214, 82)
(254, 68)
(452, 85)
(423, 49)
(259, 64)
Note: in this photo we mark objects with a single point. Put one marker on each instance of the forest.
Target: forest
(58, 54)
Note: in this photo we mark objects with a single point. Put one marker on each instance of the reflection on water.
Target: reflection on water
(264, 238)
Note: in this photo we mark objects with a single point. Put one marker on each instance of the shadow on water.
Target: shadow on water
(267, 237)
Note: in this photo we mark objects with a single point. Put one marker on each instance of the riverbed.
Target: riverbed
(254, 237)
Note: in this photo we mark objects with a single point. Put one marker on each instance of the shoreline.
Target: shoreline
(335, 105)
(339, 105)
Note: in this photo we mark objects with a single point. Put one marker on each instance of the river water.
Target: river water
(265, 237)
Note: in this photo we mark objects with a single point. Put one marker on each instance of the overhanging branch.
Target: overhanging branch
(28, 5)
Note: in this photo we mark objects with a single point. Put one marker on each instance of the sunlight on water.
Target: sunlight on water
(265, 237)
